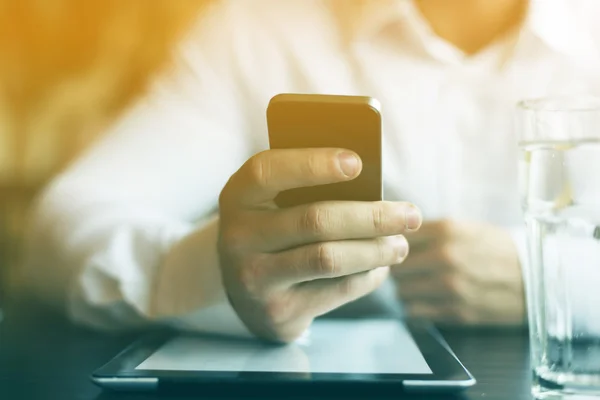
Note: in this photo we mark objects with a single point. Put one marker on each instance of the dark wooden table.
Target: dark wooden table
(42, 356)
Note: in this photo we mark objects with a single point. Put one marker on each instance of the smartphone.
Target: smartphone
(313, 121)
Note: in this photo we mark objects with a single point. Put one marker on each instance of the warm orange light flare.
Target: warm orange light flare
(68, 65)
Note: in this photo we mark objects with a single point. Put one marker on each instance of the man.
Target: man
(140, 231)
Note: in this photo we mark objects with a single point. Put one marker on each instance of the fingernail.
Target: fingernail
(412, 218)
(349, 164)
(402, 246)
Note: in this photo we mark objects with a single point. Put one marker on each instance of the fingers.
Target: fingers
(456, 312)
(434, 229)
(427, 288)
(434, 261)
(431, 233)
(433, 298)
(325, 295)
(433, 281)
(334, 259)
(266, 174)
(329, 221)
(442, 298)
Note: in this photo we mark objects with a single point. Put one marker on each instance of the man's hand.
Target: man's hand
(462, 273)
(284, 267)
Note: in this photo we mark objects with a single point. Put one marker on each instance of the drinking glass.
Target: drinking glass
(559, 167)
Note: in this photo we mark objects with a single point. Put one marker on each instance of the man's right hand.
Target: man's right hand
(283, 267)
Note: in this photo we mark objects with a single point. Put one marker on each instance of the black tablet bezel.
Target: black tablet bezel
(445, 366)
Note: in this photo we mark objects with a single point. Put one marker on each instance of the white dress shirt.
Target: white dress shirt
(127, 234)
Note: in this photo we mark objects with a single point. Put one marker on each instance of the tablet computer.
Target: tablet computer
(375, 355)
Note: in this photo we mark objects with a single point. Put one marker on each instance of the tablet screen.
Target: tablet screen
(332, 346)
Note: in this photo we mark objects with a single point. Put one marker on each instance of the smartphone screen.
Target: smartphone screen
(347, 122)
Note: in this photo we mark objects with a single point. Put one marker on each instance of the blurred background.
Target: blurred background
(67, 69)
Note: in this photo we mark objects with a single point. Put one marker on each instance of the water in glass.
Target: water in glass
(560, 194)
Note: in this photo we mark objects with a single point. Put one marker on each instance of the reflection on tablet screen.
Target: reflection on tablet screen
(333, 346)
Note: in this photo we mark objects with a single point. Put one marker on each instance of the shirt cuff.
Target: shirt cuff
(219, 319)
(189, 290)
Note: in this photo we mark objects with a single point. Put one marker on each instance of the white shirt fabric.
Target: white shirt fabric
(126, 236)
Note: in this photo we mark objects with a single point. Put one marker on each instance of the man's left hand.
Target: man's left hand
(462, 273)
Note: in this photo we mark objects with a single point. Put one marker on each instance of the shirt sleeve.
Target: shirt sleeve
(127, 235)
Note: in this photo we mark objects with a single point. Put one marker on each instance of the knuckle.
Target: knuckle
(321, 163)
(259, 171)
(276, 311)
(378, 218)
(386, 251)
(324, 260)
(315, 220)
(314, 165)
(348, 286)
